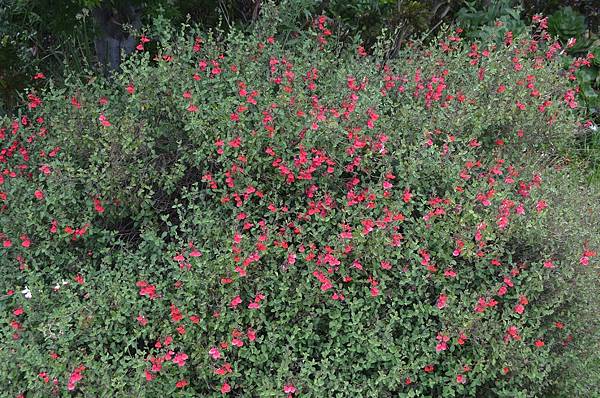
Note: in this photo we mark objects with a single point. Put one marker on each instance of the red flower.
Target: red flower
(104, 121)
(98, 206)
(502, 290)
(251, 334)
(34, 101)
(519, 309)
(289, 389)
(539, 343)
(541, 205)
(585, 258)
(25, 241)
(368, 226)
(441, 301)
(75, 103)
(147, 290)
(142, 320)
(450, 273)
(225, 388)
(406, 196)
(44, 376)
(143, 40)
(442, 342)
(235, 302)
(180, 359)
(223, 370)
(75, 377)
(181, 383)
(175, 314)
(149, 376)
(253, 306)
(513, 333)
(214, 353)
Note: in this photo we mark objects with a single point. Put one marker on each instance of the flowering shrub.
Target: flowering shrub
(256, 217)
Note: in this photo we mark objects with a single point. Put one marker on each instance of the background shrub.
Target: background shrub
(257, 216)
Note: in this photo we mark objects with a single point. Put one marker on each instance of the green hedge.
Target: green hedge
(264, 215)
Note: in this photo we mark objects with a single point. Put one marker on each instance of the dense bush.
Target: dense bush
(275, 216)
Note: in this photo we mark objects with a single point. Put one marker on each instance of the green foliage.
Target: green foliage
(567, 23)
(266, 215)
(576, 41)
(40, 36)
(491, 22)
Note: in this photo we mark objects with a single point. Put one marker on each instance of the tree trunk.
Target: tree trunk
(114, 40)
